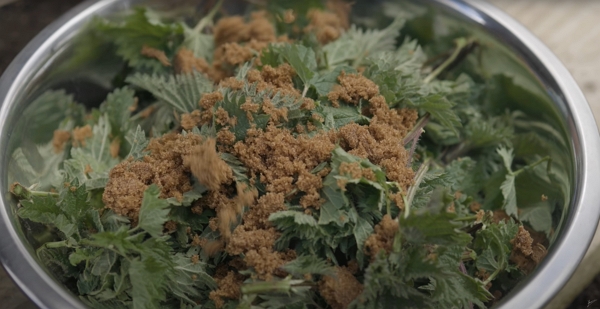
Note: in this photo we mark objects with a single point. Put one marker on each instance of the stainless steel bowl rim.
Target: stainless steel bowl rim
(536, 291)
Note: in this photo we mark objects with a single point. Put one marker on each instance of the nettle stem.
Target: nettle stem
(278, 287)
(469, 218)
(414, 135)
(492, 276)
(412, 191)
(22, 192)
(209, 17)
(52, 245)
(533, 165)
(461, 45)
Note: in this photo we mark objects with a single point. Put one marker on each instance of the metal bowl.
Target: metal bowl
(40, 67)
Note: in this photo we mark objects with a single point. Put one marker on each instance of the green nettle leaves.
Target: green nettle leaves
(142, 28)
(154, 212)
(356, 44)
(181, 92)
(474, 147)
(507, 187)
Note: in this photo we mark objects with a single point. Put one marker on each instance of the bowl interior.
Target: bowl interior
(54, 61)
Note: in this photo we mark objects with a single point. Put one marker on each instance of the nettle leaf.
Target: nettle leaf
(324, 82)
(538, 216)
(509, 192)
(234, 99)
(37, 165)
(362, 230)
(189, 279)
(296, 216)
(188, 197)
(95, 155)
(240, 172)
(507, 157)
(488, 133)
(332, 211)
(440, 109)
(83, 254)
(302, 59)
(75, 202)
(493, 245)
(357, 44)
(47, 112)
(117, 107)
(181, 92)
(309, 264)
(201, 44)
(460, 291)
(428, 228)
(337, 117)
(140, 29)
(137, 143)
(148, 283)
(113, 239)
(154, 212)
(41, 209)
(398, 72)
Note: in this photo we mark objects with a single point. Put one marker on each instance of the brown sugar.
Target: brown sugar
(114, 147)
(342, 9)
(352, 170)
(207, 166)
(80, 134)
(230, 30)
(475, 206)
(231, 83)
(207, 102)
(231, 54)
(191, 120)
(383, 238)
(327, 26)
(267, 262)
(277, 115)
(289, 16)
(388, 153)
(60, 138)
(225, 138)
(228, 287)
(243, 240)
(527, 252)
(257, 217)
(341, 290)
(186, 63)
(352, 88)
(260, 28)
(276, 156)
(500, 215)
(522, 242)
(212, 247)
(159, 55)
(171, 226)
(163, 167)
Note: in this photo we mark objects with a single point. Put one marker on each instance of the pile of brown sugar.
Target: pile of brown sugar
(527, 252)
(163, 167)
(280, 157)
(236, 42)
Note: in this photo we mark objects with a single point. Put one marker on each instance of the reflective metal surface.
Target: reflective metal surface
(531, 65)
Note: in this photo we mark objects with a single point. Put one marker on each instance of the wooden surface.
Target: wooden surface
(568, 27)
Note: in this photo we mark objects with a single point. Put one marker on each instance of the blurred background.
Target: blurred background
(568, 27)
